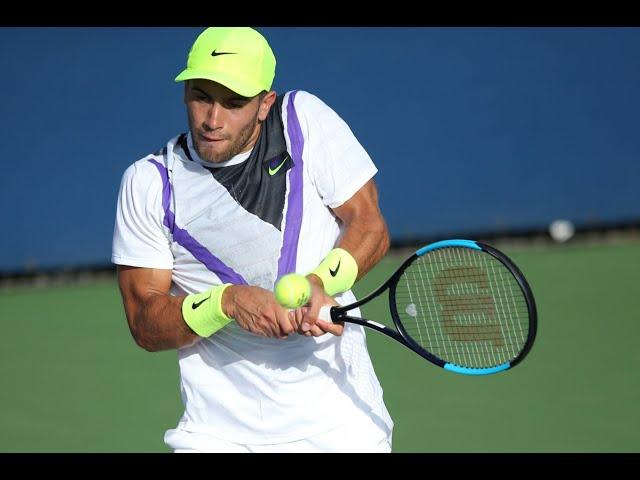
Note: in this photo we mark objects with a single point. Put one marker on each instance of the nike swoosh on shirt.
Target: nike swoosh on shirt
(273, 171)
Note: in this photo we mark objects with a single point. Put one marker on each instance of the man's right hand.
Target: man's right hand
(256, 310)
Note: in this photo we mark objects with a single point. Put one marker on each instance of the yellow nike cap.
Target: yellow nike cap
(237, 57)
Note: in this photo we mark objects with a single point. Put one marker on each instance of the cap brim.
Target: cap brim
(241, 88)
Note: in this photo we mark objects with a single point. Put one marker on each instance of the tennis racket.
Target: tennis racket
(460, 304)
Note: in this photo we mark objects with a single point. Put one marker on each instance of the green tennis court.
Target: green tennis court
(74, 380)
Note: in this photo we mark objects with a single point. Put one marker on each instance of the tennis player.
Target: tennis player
(261, 185)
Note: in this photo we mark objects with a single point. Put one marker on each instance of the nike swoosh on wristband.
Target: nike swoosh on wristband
(196, 305)
(335, 272)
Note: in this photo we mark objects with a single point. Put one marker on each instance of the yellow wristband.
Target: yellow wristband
(338, 271)
(203, 311)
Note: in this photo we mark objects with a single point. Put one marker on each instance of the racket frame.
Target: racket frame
(339, 314)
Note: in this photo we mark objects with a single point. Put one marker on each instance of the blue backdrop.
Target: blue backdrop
(471, 128)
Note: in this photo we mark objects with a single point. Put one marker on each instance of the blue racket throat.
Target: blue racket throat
(476, 371)
(448, 244)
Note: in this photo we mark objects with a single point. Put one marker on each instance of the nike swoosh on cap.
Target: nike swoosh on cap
(215, 54)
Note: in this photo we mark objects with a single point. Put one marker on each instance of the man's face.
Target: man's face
(223, 123)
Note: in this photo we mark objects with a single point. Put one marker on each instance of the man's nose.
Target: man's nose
(215, 117)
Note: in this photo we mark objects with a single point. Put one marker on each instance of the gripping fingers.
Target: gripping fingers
(318, 329)
(324, 324)
(314, 331)
(285, 325)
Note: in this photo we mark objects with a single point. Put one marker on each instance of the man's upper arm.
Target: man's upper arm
(139, 236)
(362, 206)
(338, 164)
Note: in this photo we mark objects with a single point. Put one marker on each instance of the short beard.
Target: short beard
(238, 146)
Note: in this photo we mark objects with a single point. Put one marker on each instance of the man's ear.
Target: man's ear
(265, 105)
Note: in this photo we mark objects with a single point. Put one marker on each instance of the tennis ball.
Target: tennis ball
(561, 230)
(293, 290)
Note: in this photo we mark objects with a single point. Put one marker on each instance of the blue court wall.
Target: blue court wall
(472, 129)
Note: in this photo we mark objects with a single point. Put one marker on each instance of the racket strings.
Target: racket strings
(464, 306)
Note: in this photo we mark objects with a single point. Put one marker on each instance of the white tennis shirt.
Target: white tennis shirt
(250, 220)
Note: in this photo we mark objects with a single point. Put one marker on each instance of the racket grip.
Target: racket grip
(325, 313)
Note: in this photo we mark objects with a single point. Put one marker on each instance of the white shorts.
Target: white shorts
(353, 437)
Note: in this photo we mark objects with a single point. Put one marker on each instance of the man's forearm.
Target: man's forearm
(158, 324)
(367, 240)
(365, 235)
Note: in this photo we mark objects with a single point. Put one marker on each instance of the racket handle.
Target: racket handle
(325, 313)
